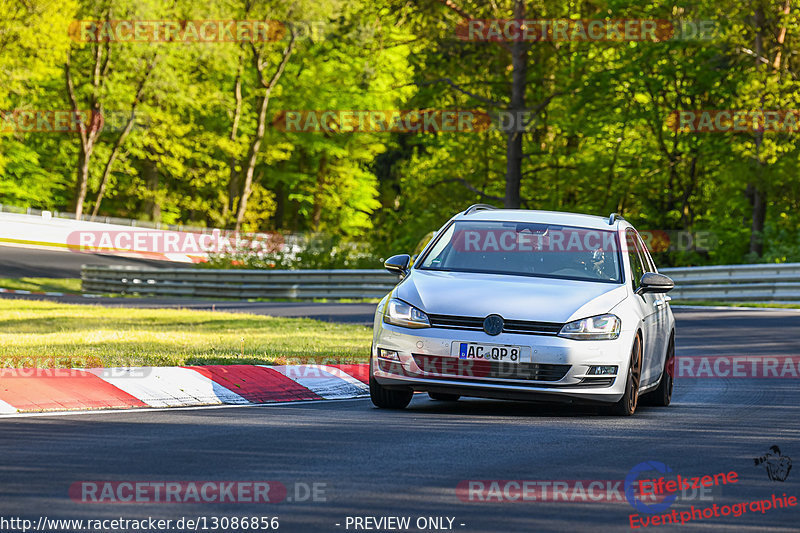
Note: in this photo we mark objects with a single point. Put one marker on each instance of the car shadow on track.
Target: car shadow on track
(484, 407)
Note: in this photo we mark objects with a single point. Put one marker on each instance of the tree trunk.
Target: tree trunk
(280, 205)
(82, 181)
(758, 201)
(322, 171)
(122, 137)
(151, 179)
(519, 63)
(88, 137)
(781, 36)
(234, 181)
(755, 189)
(255, 144)
(88, 133)
(252, 158)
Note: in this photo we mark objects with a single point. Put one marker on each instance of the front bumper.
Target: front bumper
(553, 369)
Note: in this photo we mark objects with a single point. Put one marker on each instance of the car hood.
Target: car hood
(512, 297)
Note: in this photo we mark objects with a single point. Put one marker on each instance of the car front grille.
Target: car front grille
(467, 368)
(470, 323)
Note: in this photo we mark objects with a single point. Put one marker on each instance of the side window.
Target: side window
(435, 257)
(421, 246)
(637, 268)
(649, 265)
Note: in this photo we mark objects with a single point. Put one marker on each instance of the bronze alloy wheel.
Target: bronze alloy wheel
(626, 406)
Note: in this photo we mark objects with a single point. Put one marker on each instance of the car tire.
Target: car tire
(444, 397)
(662, 396)
(387, 398)
(626, 405)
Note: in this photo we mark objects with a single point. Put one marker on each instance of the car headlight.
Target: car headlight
(594, 328)
(400, 313)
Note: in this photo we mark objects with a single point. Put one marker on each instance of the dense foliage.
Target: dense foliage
(192, 131)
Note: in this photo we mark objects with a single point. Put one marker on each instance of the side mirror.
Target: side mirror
(398, 264)
(652, 282)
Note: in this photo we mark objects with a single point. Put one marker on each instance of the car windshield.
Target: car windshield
(526, 249)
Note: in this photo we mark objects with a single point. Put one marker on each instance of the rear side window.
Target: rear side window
(637, 266)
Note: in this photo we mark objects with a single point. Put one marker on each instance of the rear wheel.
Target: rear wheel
(387, 398)
(662, 396)
(443, 397)
(626, 406)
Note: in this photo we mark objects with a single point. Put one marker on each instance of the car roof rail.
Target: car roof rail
(478, 207)
(613, 218)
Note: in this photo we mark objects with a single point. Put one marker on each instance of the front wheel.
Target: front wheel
(626, 406)
(387, 398)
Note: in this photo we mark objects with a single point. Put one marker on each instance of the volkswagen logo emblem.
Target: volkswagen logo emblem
(493, 324)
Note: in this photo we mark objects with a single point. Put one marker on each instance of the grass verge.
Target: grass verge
(69, 285)
(34, 333)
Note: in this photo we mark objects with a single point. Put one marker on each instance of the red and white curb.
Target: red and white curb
(30, 390)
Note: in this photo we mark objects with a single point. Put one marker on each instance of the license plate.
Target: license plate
(492, 352)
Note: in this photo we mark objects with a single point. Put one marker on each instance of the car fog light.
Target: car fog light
(602, 370)
(389, 355)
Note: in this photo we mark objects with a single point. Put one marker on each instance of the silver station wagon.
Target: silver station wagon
(526, 305)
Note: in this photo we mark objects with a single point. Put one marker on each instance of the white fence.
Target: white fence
(131, 238)
(129, 222)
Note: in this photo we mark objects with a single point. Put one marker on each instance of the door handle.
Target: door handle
(659, 303)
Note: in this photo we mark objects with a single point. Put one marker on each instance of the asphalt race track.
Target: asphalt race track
(408, 463)
(18, 262)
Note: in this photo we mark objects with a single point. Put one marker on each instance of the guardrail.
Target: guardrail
(768, 282)
(240, 284)
(739, 283)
